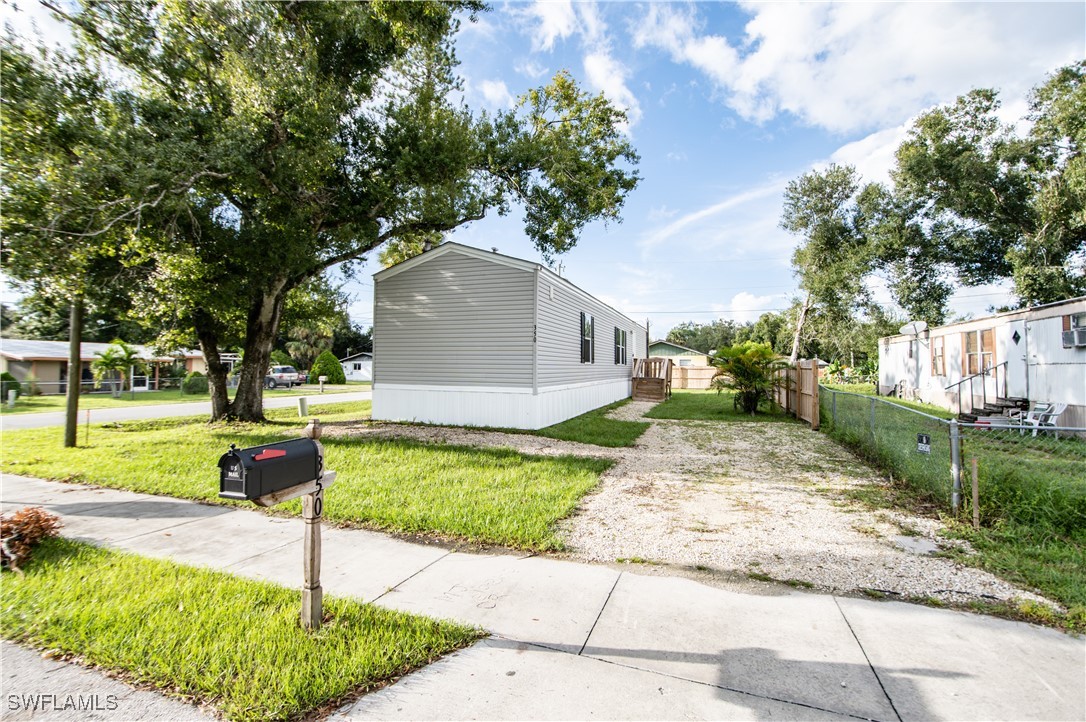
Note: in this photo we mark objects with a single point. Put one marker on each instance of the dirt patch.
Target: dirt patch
(742, 500)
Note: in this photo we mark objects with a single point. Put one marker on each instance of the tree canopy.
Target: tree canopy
(971, 202)
(266, 143)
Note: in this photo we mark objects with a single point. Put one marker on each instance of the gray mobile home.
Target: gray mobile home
(473, 338)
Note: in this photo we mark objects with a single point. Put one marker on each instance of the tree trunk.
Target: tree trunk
(799, 329)
(75, 371)
(259, 338)
(216, 373)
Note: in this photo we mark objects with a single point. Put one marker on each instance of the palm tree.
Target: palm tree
(116, 360)
(307, 344)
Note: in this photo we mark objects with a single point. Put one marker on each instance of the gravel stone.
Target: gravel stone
(739, 498)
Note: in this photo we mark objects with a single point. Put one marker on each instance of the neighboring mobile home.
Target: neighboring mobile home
(1036, 353)
(468, 337)
(358, 367)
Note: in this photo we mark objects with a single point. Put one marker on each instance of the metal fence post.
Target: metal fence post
(955, 466)
(834, 408)
(872, 418)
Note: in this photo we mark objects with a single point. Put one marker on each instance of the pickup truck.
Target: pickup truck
(283, 376)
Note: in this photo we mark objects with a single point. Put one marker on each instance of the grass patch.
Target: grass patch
(1032, 492)
(592, 428)
(228, 641)
(488, 496)
(43, 404)
(869, 390)
(697, 405)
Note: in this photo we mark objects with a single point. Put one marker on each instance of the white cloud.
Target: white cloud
(674, 157)
(745, 306)
(531, 69)
(658, 236)
(608, 76)
(496, 94)
(873, 155)
(552, 21)
(556, 19)
(851, 66)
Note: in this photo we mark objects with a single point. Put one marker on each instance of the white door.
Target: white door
(1017, 367)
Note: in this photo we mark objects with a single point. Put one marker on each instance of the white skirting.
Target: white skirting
(513, 408)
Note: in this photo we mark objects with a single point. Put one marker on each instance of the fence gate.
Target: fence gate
(797, 392)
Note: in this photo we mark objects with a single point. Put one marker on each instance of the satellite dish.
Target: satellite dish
(914, 327)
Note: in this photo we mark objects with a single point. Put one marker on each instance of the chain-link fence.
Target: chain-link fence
(1023, 474)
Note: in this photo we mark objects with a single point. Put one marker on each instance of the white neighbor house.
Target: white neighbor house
(467, 337)
(1035, 353)
(358, 367)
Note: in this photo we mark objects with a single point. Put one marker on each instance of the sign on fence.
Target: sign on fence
(923, 443)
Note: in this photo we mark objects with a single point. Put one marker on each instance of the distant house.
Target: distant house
(358, 367)
(680, 355)
(690, 369)
(1037, 354)
(46, 363)
(469, 337)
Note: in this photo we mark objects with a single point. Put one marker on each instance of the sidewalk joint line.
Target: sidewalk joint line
(396, 586)
(869, 664)
(597, 620)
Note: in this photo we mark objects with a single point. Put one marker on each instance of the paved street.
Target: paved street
(579, 641)
(162, 411)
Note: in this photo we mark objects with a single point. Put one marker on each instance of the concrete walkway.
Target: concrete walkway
(576, 641)
(162, 411)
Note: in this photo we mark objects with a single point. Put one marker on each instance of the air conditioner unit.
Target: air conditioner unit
(1069, 338)
(1080, 336)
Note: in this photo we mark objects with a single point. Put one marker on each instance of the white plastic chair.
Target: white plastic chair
(1046, 418)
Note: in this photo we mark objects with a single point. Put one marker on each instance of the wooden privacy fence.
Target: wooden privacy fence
(692, 377)
(797, 391)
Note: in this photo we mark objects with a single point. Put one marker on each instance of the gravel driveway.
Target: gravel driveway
(742, 501)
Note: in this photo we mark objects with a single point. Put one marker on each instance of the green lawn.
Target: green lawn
(696, 405)
(869, 390)
(593, 428)
(234, 643)
(491, 496)
(53, 402)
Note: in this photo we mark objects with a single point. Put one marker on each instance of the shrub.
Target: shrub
(22, 531)
(195, 383)
(281, 358)
(327, 365)
(749, 369)
(7, 381)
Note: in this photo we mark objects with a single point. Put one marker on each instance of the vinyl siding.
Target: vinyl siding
(454, 321)
(559, 336)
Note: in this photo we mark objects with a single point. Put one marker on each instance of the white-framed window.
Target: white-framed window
(357, 366)
(620, 346)
(685, 362)
(588, 338)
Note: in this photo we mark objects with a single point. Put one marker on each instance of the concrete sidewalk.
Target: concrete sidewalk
(575, 641)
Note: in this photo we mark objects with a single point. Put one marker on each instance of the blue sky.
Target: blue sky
(727, 103)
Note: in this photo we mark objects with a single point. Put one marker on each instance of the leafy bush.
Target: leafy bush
(281, 358)
(22, 531)
(327, 365)
(195, 383)
(7, 381)
(749, 369)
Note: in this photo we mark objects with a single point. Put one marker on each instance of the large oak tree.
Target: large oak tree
(280, 140)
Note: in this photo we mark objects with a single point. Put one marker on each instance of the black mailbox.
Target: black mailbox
(260, 470)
